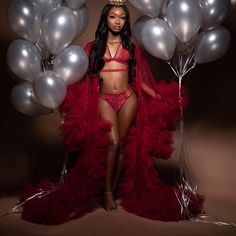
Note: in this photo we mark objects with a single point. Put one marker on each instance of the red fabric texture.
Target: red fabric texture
(116, 100)
(140, 188)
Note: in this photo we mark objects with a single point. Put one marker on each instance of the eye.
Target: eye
(112, 16)
(123, 17)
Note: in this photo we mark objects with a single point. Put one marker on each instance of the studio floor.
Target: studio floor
(100, 223)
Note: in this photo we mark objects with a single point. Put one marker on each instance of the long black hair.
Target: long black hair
(96, 61)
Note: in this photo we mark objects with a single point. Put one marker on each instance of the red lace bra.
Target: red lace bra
(122, 58)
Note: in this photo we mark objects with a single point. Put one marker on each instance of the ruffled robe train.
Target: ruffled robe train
(141, 191)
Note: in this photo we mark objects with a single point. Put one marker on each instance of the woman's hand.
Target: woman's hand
(150, 91)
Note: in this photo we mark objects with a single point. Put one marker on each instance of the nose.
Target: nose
(117, 21)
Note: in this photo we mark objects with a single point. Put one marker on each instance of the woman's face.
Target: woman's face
(116, 19)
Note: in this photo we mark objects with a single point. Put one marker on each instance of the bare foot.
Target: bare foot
(109, 203)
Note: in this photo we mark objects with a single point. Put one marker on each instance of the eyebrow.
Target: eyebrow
(123, 13)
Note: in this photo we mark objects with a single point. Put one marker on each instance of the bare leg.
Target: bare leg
(118, 168)
(107, 113)
(125, 119)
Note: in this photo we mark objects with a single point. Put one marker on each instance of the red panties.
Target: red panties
(116, 100)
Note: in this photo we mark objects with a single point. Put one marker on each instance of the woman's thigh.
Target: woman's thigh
(126, 115)
(107, 113)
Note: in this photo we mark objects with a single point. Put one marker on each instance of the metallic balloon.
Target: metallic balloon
(158, 39)
(212, 45)
(184, 18)
(24, 59)
(138, 27)
(59, 29)
(82, 15)
(25, 19)
(49, 89)
(23, 99)
(164, 7)
(46, 5)
(214, 12)
(151, 8)
(71, 64)
(75, 4)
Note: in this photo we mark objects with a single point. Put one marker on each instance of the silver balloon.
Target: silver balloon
(59, 29)
(24, 59)
(214, 12)
(82, 15)
(184, 18)
(75, 4)
(212, 45)
(151, 8)
(71, 64)
(164, 7)
(46, 5)
(23, 99)
(25, 19)
(138, 27)
(49, 89)
(158, 39)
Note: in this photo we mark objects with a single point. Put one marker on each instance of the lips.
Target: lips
(117, 27)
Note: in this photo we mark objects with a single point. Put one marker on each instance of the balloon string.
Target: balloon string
(207, 219)
(186, 190)
(186, 186)
(170, 63)
(180, 64)
(64, 171)
(190, 64)
(186, 213)
(187, 62)
(41, 193)
(185, 72)
(172, 68)
(41, 53)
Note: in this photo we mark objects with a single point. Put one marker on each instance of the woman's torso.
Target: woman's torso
(114, 74)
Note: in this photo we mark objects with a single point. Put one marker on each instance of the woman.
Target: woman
(117, 100)
(118, 119)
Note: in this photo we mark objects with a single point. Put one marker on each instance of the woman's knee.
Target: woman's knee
(117, 145)
(114, 145)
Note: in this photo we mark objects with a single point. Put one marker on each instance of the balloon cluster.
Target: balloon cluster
(183, 32)
(44, 59)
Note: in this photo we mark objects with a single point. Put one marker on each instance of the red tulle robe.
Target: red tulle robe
(140, 190)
